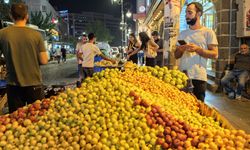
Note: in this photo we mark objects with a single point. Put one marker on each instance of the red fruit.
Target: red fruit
(148, 117)
(151, 114)
(159, 141)
(45, 106)
(32, 113)
(20, 121)
(149, 122)
(21, 115)
(159, 120)
(137, 102)
(168, 139)
(175, 128)
(33, 118)
(167, 131)
(41, 113)
(2, 128)
(154, 110)
(165, 146)
(160, 135)
(180, 148)
(165, 119)
(156, 115)
(132, 93)
(154, 125)
(176, 142)
(173, 134)
(37, 106)
(169, 123)
(12, 120)
(31, 108)
(144, 103)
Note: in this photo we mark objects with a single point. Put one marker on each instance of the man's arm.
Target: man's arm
(179, 51)
(211, 52)
(43, 58)
(107, 58)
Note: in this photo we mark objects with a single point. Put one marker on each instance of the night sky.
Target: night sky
(101, 6)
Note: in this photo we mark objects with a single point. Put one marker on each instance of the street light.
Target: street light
(6, 1)
(128, 14)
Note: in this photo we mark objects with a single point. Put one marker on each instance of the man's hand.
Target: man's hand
(193, 48)
(128, 56)
(113, 61)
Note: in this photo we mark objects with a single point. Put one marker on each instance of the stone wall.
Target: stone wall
(228, 42)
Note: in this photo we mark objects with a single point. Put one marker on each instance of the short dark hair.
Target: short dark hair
(198, 6)
(155, 33)
(91, 36)
(19, 11)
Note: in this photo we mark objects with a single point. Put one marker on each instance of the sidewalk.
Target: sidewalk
(236, 111)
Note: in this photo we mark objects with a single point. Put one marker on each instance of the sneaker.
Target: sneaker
(238, 97)
(231, 95)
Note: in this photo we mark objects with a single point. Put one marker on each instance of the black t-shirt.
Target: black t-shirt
(63, 50)
(159, 42)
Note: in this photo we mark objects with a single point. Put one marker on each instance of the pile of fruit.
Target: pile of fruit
(117, 110)
(173, 77)
(105, 63)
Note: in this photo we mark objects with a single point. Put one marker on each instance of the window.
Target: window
(44, 8)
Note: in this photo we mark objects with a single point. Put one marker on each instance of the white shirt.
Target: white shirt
(89, 51)
(191, 61)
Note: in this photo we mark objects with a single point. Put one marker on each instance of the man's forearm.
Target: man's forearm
(178, 53)
(160, 50)
(207, 53)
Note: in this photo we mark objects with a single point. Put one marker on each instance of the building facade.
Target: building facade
(41, 5)
(225, 17)
(79, 21)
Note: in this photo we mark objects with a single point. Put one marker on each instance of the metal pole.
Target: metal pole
(122, 13)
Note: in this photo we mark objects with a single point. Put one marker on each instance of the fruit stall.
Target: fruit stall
(140, 108)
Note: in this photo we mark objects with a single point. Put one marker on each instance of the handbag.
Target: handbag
(152, 53)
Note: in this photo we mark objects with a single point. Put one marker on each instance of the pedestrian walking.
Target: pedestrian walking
(64, 54)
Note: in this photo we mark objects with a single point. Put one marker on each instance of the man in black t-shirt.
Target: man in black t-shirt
(24, 51)
(240, 72)
(159, 42)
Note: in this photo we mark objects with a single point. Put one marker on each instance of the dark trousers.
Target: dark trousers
(159, 59)
(150, 62)
(134, 59)
(64, 58)
(87, 72)
(20, 96)
(199, 89)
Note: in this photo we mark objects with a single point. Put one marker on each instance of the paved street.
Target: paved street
(63, 73)
(237, 112)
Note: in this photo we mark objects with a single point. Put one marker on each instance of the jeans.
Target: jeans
(240, 75)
